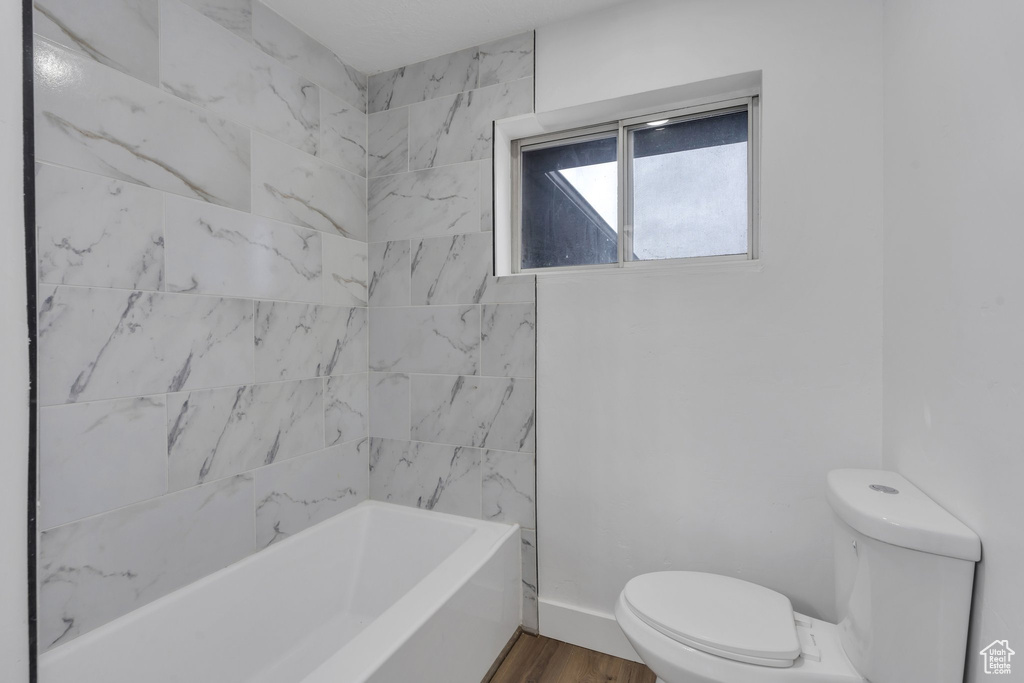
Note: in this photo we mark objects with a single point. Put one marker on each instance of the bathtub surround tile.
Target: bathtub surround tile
(444, 75)
(508, 337)
(214, 250)
(294, 187)
(389, 141)
(298, 493)
(429, 203)
(390, 274)
(217, 433)
(95, 457)
(485, 412)
(345, 340)
(426, 475)
(100, 343)
(234, 15)
(451, 270)
(437, 339)
(389, 405)
(154, 436)
(346, 408)
(509, 488)
(102, 567)
(457, 128)
(487, 195)
(528, 539)
(96, 231)
(507, 59)
(301, 341)
(511, 289)
(209, 66)
(96, 119)
(283, 41)
(345, 271)
(342, 134)
(288, 341)
(121, 34)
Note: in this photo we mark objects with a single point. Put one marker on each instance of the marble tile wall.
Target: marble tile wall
(202, 266)
(452, 364)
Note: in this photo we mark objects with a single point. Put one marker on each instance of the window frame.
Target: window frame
(624, 151)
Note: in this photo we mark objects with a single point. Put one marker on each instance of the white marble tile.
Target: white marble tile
(451, 270)
(487, 194)
(300, 341)
(118, 33)
(457, 128)
(346, 408)
(390, 274)
(509, 488)
(290, 46)
(511, 289)
(98, 232)
(96, 119)
(346, 340)
(209, 66)
(342, 134)
(102, 343)
(429, 203)
(98, 456)
(444, 75)
(213, 250)
(507, 59)
(426, 475)
(234, 15)
(298, 493)
(295, 187)
(528, 539)
(102, 567)
(345, 271)
(217, 433)
(486, 412)
(508, 338)
(389, 405)
(443, 339)
(388, 141)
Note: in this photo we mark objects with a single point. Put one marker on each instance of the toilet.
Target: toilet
(904, 571)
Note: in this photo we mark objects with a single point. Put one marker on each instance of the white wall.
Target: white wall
(14, 376)
(954, 284)
(687, 418)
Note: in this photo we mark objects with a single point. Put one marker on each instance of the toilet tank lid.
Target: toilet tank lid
(865, 500)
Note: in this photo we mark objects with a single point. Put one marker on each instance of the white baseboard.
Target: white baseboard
(586, 628)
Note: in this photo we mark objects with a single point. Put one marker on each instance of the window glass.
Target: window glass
(689, 182)
(570, 204)
(685, 187)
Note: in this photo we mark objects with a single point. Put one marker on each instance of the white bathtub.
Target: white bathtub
(379, 593)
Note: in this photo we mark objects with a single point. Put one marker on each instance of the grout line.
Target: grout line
(430, 168)
(220, 387)
(255, 299)
(253, 338)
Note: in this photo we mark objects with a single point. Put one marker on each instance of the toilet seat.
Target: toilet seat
(719, 615)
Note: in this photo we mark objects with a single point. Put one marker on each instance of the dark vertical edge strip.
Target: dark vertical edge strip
(28, 183)
(536, 386)
(494, 243)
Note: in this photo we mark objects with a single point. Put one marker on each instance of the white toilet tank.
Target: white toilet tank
(904, 573)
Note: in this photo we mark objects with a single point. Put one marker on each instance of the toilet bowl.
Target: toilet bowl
(702, 650)
(904, 570)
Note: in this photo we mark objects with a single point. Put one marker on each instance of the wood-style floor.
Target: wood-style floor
(536, 659)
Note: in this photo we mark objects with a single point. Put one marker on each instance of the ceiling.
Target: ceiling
(379, 35)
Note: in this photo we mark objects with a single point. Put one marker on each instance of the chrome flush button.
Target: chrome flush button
(883, 488)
